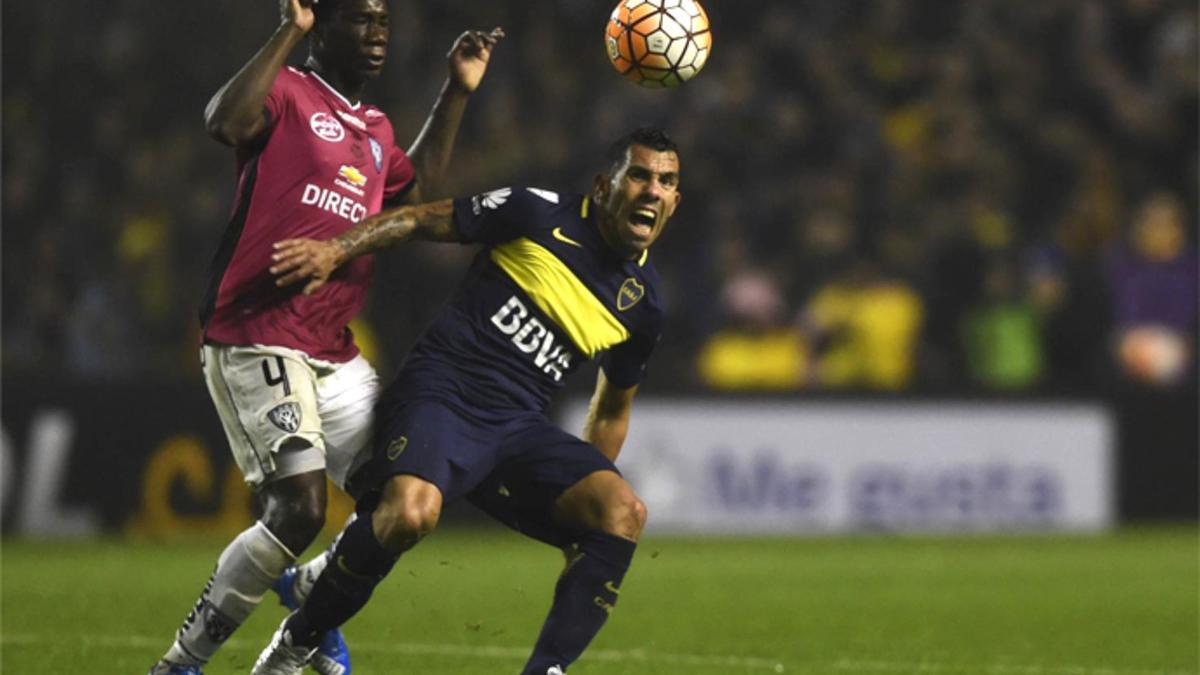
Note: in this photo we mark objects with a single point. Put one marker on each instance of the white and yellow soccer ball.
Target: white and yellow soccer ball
(658, 43)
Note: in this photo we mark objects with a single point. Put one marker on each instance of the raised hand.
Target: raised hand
(299, 13)
(468, 58)
(299, 259)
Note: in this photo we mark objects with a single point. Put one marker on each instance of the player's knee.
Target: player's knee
(403, 518)
(295, 516)
(640, 513)
(399, 529)
(303, 518)
(625, 515)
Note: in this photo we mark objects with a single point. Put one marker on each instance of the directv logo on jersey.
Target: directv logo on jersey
(532, 337)
(328, 200)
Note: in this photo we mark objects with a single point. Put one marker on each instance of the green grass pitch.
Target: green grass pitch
(467, 602)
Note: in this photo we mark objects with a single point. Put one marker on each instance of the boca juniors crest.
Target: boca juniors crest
(376, 153)
(629, 294)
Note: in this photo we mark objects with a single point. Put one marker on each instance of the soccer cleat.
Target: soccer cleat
(282, 657)
(556, 670)
(333, 656)
(168, 668)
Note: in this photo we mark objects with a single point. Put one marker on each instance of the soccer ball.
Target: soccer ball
(658, 43)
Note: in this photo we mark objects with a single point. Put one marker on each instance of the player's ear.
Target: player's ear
(676, 197)
(601, 185)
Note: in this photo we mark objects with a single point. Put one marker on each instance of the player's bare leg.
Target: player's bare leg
(406, 512)
(293, 515)
(605, 507)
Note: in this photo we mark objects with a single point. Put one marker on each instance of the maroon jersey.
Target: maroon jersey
(323, 165)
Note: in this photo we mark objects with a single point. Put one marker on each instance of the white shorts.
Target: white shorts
(285, 413)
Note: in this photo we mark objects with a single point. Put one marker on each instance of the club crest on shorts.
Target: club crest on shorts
(629, 294)
(376, 153)
(286, 416)
(397, 446)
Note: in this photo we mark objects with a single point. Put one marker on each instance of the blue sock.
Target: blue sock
(356, 567)
(583, 598)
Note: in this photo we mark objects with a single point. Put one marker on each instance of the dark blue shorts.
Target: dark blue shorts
(514, 470)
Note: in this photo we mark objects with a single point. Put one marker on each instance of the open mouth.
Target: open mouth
(643, 217)
(374, 60)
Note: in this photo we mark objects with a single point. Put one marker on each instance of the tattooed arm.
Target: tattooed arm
(300, 259)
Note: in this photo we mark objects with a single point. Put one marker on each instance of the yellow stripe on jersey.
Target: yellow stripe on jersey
(556, 290)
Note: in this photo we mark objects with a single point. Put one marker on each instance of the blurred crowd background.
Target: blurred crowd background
(879, 195)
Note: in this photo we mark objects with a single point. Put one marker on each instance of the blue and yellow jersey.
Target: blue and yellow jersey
(544, 294)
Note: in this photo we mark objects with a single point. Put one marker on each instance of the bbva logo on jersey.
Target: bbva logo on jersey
(532, 337)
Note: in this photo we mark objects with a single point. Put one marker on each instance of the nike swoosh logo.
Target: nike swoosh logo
(341, 563)
(608, 586)
(557, 232)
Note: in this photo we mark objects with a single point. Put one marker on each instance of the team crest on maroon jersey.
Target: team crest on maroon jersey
(286, 416)
(326, 127)
(377, 153)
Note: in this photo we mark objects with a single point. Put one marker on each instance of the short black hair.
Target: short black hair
(325, 9)
(651, 137)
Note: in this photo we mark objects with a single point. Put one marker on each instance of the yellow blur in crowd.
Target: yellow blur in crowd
(773, 360)
(856, 332)
(872, 328)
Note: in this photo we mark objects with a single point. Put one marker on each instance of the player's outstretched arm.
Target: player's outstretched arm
(430, 152)
(300, 259)
(235, 114)
(608, 416)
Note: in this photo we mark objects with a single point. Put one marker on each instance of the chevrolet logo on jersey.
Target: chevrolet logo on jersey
(353, 175)
(533, 337)
(629, 294)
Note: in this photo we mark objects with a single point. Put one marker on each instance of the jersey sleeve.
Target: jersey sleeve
(500, 215)
(625, 364)
(280, 97)
(401, 174)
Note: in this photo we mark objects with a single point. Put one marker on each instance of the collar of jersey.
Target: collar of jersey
(335, 92)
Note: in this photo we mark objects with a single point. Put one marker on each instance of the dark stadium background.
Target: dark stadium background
(984, 160)
(909, 306)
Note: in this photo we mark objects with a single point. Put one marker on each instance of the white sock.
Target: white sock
(309, 571)
(245, 572)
